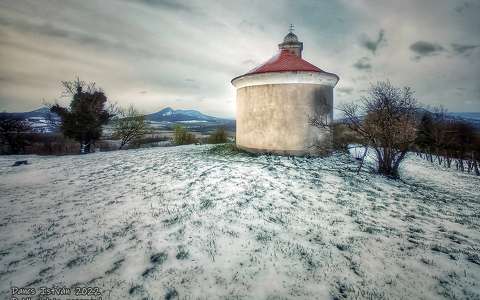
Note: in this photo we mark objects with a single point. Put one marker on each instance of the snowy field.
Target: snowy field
(184, 223)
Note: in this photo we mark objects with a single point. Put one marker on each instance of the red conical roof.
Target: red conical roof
(284, 61)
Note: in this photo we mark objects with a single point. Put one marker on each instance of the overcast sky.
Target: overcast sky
(158, 53)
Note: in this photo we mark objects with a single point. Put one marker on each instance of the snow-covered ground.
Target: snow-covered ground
(183, 222)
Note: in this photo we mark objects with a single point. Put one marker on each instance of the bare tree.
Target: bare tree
(323, 120)
(385, 120)
(129, 125)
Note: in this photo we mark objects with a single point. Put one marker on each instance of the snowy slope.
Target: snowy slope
(180, 221)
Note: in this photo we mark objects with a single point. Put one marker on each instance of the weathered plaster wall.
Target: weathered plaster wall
(275, 117)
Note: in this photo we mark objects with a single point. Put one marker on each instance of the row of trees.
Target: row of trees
(89, 111)
(389, 121)
(448, 142)
(384, 121)
(83, 121)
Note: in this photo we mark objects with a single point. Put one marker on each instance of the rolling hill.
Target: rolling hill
(167, 118)
(41, 119)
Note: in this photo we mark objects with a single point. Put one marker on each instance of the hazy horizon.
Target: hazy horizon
(228, 117)
(183, 54)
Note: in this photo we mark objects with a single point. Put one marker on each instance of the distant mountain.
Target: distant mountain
(42, 112)
(466, 115)
(472, 118)
(167, 118)
(41, 119)
(182, 115)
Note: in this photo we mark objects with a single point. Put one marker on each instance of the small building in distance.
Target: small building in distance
(277, 100)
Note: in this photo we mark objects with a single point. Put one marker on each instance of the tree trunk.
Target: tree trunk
(363, 159)
(123, 143)
(396, 165)
(85, 147)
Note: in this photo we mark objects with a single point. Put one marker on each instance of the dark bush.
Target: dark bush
(228, 149)
(57, 144)
(181, 136)
(149, 141)
(218, 137)
(13, 136)
(87, 113)
(51, 144)
(343, 136)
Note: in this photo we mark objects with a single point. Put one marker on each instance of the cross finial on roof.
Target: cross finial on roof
(291, 29)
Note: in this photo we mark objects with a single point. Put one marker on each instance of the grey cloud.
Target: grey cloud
(47, 29)
(424, 48)
(190, 49)
(19, 78)
(249, 25)
(460, 8)
(54, 31)
(363, 64)
(166, 4)
(250, 62)
(345, 90)
(42, 51)
(191, 83)
(373, 44)
(465, 50)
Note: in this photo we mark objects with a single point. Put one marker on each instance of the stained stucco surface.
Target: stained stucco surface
(275, 117)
